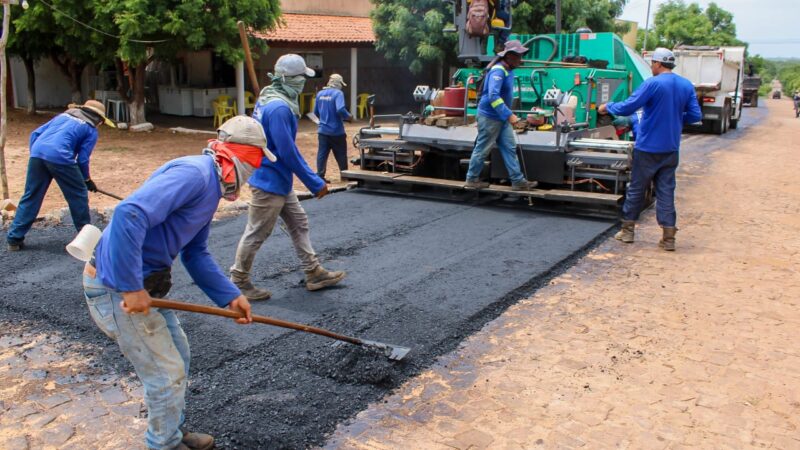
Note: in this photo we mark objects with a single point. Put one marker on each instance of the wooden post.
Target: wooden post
(248, 58)
(3, 99)
(354, 82)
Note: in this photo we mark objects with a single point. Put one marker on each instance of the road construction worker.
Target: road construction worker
(329, 107)
(277, 111)
(170, 214)
(60, 149)
(668, 102)
(496, 121)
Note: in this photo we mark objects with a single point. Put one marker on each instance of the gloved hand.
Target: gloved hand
(91, 186)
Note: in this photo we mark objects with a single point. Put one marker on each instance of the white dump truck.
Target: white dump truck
(718, 75)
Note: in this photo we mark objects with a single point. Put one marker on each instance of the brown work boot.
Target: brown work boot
(252, 293)
(524, 185)
(198, 441)
(319, 278)
(667, 241)
(476, 184)
(625, 234)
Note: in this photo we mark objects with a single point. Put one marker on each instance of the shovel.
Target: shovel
(109, 194)
(393, 352)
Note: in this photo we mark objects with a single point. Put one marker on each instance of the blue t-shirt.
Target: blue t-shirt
(280, 126)
(330, 109)
(668, 102)
(65, 140)
(169, 214)
(497, 94)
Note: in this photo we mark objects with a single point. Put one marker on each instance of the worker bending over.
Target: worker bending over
(60, 149)
(330, 108)
(496, 121)
(668, 102)
(277, 110)
(169, 215)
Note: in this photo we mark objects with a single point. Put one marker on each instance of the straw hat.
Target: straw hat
(98, 108)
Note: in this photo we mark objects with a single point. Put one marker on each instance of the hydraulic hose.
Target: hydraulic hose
(546, 38)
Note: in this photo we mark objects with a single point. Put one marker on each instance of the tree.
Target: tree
(677, 22)
(30, 46)
(538, 17)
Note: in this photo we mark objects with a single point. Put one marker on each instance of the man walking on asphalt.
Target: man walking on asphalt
(60, 150)
(277, 110)
(668, 101)
(496, 121)
(330, 108)
(169, 214)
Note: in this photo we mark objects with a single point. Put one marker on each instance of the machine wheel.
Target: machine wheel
(734, 124)
(716, 126)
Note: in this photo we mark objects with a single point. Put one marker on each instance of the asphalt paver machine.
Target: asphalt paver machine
(576, 155)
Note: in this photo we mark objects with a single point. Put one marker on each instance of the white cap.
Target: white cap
(291, 65)
(245, 130)
(663, 55)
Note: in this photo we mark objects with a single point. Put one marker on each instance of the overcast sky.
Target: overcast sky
(772, 27)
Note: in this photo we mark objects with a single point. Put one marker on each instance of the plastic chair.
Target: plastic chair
(249, 101)
(362, 105)
(222, 110)
(230, 101)
(307, 97)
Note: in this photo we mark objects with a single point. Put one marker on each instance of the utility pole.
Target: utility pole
(558, 16)
(646, 28)
(3, 99)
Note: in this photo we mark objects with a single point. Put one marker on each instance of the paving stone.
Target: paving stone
(49, 401)
(57, 435)
(19, 412)
(130, 410)
(114, 396)
(474, 439)
(16, 443)
(38, 421)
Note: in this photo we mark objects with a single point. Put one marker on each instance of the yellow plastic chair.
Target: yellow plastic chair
(222, 110)
(228, 100)
(249, 101)
(362, 105)
(307, 98)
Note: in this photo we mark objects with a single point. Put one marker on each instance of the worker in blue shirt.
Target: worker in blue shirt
(277, 110)
(496, 121)
(668, 102)
(169, 215)
(60, 150)
(329, 107)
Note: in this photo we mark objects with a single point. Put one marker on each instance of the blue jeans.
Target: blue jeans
(659, 169)
(37, 181)
(327, 143)
(489, 132)
(157, 347)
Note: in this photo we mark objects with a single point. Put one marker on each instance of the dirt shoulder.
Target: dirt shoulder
(123, 160)
(635, 347)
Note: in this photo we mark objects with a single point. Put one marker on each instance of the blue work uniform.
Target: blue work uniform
(280, 126)
(330, 108)
(169, 215)
(493, 127)
(668, 102)
(60, 150)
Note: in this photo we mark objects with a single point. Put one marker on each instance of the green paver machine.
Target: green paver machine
(577, 157)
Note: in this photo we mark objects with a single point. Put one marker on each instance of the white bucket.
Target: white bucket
(84, 243)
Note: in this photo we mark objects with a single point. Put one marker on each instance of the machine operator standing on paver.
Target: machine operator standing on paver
(277, 110)
(60, 150)
(669, 102)
(496, 121)
(329, 106)
(169, 214)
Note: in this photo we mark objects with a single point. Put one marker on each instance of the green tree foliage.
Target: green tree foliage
(411, 31)
(677, 22)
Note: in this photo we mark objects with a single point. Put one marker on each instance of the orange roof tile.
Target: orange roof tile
(310, 28)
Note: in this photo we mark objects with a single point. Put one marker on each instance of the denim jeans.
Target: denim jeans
(37, 181)
(489, 132)
(265, 208)
(658, 169)
(157, 347)
(327, 143)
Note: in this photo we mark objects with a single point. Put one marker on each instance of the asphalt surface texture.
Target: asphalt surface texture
(421, 273)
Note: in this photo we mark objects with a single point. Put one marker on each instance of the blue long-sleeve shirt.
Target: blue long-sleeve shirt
(497, 94)
(169, 214)
(280, 126)
(669, 101)
(330, 108)
(65, 140)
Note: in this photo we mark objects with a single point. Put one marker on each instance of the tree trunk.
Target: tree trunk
(29, 70)
(72, 70)
(3, 100)
(136, 102)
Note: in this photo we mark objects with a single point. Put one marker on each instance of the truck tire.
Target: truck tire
(716, 126)
(755, 101)
(734, 124)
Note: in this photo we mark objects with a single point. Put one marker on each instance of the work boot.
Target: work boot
(524, 185)
(14, 247)
(667, 241)
(319, 278)
(476, 184)
(198, 441)
(252, 293)
(625, 234)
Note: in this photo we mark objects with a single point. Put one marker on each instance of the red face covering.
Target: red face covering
(226, 151)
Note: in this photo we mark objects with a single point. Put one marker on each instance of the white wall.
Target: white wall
(52, 88)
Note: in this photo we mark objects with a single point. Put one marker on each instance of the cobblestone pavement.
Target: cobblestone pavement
(635, 347)
(54, 397)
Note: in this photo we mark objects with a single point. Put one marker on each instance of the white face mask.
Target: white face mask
(230, 191)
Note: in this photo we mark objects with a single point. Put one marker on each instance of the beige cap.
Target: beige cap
(337, 78)
(98, 108)
(245, 130)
